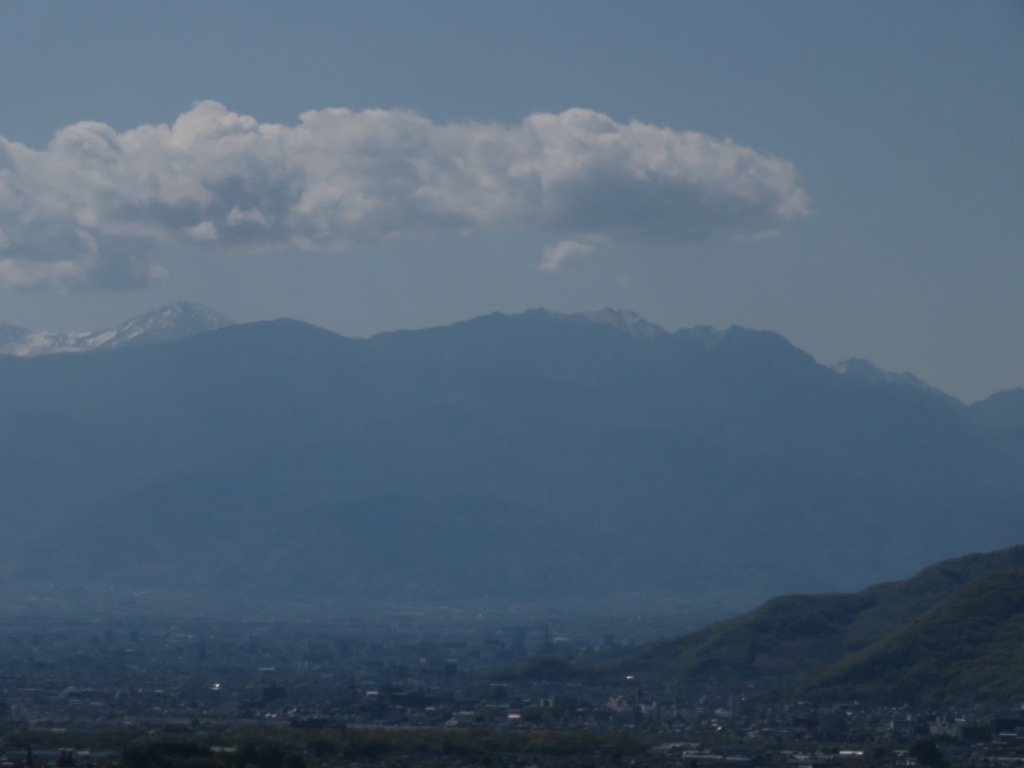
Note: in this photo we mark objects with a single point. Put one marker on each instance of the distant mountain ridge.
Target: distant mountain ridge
(168, 323)
(183, 319)
(530, 457)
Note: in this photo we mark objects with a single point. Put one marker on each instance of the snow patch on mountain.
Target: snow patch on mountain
(168, 323)
(868, 373)
(626, 321)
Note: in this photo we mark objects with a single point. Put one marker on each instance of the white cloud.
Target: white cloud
(559, 255)
(237, 217)
(340, 179)
(204, 230)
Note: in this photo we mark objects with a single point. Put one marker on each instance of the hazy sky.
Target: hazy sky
(849, 174)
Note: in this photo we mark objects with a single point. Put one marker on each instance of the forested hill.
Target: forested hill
(952, 633)
(969, 647)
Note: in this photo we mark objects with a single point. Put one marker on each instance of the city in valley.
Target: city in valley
(414, 688)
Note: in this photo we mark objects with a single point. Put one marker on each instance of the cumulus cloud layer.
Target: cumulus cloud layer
(88, 208)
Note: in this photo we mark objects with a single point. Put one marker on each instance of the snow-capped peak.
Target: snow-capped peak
(170, 322)
(868, 373)
(625, 320)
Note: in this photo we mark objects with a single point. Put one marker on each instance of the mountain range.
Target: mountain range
(509, 458)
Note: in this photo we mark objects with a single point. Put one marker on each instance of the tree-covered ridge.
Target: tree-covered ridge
(796, 635)
(968, 647)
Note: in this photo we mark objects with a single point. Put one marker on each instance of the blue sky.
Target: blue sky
(849, 174)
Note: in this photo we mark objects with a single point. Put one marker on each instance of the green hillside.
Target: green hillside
(968, 647)
(796, 634)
